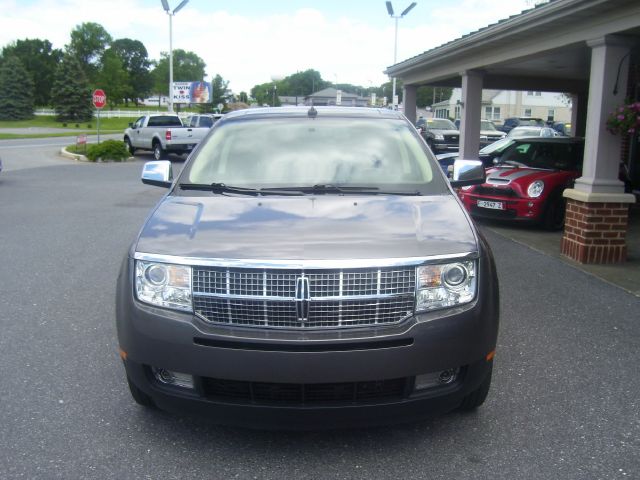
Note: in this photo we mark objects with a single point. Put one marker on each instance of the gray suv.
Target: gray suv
(309, 268)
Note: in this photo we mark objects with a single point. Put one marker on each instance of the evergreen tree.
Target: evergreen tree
(40, 59)
(70, 95)
(16, 91)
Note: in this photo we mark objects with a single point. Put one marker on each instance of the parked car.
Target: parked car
(487, 155)
(527, 182)
(520, 132)
(202, 120)
(439, 133)
(162, 133)
(488, 132)
(513, 122)
(562, 128)
(309, 266)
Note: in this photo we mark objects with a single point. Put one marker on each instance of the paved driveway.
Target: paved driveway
(564, 402)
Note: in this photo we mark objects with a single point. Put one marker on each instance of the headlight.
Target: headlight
(164, 285)
(442, 286)
(535, 189)
(439, 136)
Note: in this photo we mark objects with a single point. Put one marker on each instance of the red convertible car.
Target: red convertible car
(527, 181)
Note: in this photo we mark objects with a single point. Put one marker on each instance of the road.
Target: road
(19, 154)
(564, 403)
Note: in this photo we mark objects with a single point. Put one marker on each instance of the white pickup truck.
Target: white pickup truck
(162, 133)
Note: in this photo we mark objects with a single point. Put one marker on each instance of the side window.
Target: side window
(206, 121)
(138, 123)
(153, 122)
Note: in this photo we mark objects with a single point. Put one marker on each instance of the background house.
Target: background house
(497, 105)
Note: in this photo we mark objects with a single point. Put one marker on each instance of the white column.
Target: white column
(409, 97)
(470, 115)
(602, 149)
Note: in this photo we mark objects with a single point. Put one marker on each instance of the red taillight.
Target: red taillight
(167, 135)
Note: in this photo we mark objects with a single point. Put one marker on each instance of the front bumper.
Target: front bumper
(458, 338)
(517, 209)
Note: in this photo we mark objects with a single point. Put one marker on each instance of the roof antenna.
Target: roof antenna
(312, 113)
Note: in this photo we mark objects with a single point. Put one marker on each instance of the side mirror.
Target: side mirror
(130, 124)
(158, 173)
(467, 172)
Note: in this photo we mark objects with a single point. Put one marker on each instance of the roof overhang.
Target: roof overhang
(541, 49)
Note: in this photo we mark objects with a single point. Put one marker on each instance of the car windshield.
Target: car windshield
(261, 153)
(487, 125)
(547, 155)
(440, 124)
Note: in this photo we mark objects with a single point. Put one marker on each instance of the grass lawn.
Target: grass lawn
(44, 121)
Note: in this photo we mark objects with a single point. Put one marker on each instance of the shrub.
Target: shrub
(109, 150)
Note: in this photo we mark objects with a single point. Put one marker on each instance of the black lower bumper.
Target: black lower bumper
(413, 406)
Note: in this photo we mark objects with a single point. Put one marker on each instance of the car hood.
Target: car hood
(445, 131)
(307, 227)
(520, 175)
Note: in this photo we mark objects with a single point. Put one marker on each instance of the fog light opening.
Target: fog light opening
(448, 376)
(436, 379)
(176, 379)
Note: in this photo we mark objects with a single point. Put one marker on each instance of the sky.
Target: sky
(250, 42)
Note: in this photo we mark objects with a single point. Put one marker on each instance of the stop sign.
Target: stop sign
(99, 98)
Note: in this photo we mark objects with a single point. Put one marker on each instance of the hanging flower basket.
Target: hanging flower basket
(625, 119)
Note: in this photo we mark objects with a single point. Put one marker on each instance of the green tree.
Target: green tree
(88, 43)
(16, 91)
(187, 67)
(40, 59)
(135, 60)
(71, 95)
(243, 97)
(113, 78)
(428, 95)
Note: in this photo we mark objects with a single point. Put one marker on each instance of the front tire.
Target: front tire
(478, 396)
(159, 153)
(554, 214)
(129, 146)
(139, 396)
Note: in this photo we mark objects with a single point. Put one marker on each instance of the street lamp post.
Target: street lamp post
(395, 46)
(165, 5)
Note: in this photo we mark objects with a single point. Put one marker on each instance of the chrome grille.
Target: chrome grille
(335, 298)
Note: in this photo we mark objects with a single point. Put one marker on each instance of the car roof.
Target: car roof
(343, 112)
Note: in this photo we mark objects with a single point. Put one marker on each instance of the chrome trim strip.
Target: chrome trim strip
(382, 296)
(303, 264)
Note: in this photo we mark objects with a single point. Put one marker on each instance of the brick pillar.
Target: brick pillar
(596, 231)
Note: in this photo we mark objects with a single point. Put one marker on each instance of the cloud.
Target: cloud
(248, 50)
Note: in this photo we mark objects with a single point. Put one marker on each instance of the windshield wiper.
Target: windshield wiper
(326, 188)
(219, 188)
(223, 188)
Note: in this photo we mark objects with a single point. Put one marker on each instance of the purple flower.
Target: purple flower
(621, 117)
(621, 109)
(631, 130)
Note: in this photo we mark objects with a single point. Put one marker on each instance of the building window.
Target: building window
(538, 94)
(550, 115)
(492, 113)
(457, 111)
(527, 112)
(530, 94)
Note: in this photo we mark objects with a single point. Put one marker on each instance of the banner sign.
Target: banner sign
(191, 92)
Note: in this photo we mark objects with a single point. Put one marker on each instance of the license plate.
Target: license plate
(492, 205)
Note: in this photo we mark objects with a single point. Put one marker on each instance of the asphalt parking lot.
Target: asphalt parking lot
(565, 400)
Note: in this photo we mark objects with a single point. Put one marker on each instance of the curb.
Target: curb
(82, 158)
(73, 156)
